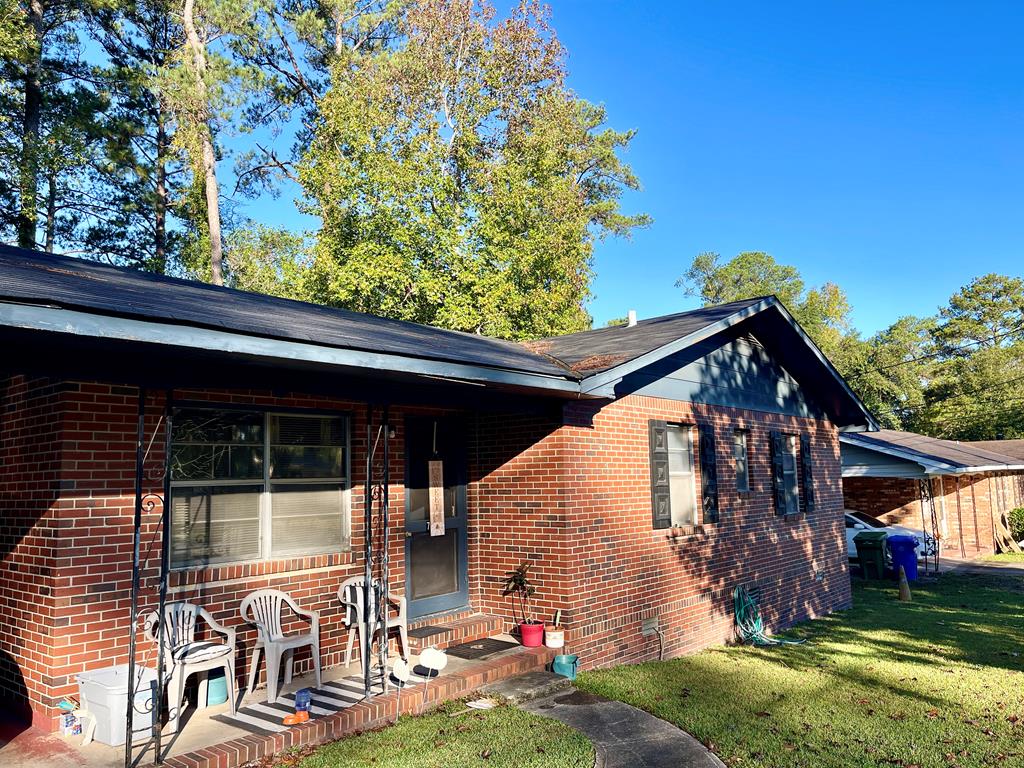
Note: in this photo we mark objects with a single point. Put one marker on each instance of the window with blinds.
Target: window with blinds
(248, 485)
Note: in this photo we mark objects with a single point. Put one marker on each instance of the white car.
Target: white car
(860, 521)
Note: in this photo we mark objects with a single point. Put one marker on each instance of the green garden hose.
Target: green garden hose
(750, 623)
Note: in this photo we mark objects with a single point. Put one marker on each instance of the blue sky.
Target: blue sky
(877, 145)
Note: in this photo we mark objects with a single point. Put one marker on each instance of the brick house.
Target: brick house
(947, 488)
(645, 470)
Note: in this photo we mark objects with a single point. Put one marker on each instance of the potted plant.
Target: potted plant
(554, 637)
(517, 584)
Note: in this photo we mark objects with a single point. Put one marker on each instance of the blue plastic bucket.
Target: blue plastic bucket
(566, 664)
(216, 688)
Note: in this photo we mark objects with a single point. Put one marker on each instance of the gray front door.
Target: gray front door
(436, 566)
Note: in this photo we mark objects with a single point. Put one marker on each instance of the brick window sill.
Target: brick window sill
(794, 517)
(204, 574)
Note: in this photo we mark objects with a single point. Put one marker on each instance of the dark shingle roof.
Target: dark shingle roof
(1014, 448)
(590, 352)
(45, 279)
(931, 450)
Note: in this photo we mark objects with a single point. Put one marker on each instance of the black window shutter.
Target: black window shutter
(778, 476)
(807, 472)
(708, 473)
(661, 501)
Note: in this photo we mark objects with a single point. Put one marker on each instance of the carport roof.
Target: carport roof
(1013, 448)
(933, 455)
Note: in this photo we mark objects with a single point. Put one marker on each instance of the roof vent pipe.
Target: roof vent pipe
(631, 318)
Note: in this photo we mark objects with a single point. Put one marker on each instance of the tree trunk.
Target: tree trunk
(31, 118)
(160, 201)
(51, 211)
(209, 158)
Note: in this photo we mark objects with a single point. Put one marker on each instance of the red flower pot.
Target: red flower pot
(532, 635)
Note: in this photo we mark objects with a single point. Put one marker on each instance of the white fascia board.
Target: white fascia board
(72, 322)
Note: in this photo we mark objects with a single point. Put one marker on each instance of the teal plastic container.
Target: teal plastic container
(216, 688)
(566, 665)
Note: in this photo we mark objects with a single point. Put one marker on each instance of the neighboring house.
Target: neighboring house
(903, 478)
(644, 470)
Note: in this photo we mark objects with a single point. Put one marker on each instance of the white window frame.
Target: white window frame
(791, 489)
(265, 512)
(687, 430)
(741, 438)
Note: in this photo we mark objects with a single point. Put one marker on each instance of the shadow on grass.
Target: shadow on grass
(884, 682)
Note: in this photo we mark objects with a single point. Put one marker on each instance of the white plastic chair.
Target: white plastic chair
(184, 655)
(352, 594)
(263, 608)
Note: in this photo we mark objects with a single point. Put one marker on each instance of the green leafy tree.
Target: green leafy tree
(459, 182)
(977, 396)
(47, 120)
(14, 34)
(988, 312)
(890, 370)
(139, 176)
(823, 311)
(267, 260)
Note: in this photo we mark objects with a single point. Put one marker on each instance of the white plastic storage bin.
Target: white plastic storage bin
(104, 693)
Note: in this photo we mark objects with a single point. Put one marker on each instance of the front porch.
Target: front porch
(212, 738)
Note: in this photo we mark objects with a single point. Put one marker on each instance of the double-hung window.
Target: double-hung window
(739, 457)
(248, 485)
(790, 480)
(680, 475)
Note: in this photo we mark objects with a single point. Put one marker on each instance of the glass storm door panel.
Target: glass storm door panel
(435, 573)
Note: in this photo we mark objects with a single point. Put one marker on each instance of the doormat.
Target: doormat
(480, 649)
(428, 630)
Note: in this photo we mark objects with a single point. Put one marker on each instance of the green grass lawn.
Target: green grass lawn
(1008, 557)
(504, 737)
(936, 682)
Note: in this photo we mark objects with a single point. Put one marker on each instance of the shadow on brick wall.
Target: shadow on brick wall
(15, 713)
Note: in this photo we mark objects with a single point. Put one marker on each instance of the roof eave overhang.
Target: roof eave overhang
(932, 467)
(50, 319)
(603, 384)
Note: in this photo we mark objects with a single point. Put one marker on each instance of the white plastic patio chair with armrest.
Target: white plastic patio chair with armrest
(352, 594)
(264, 609)
(185, 656)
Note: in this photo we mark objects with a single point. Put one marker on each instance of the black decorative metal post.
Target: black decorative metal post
(136, 540)
(382, 601)
(165, 556)
(368, 553)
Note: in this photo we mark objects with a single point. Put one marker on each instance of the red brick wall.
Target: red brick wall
(893, 499)
(577, 503)
(74, 615)
(569, 492)
(30, 424)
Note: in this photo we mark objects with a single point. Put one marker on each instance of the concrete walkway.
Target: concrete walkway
(623, 736)
(982, 567)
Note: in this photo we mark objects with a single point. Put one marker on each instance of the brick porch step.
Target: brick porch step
(445, 632)
(366, 715)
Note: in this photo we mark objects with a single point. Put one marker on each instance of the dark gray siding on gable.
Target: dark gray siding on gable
(730, 369)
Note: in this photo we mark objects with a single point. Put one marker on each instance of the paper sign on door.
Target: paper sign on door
(437, 498)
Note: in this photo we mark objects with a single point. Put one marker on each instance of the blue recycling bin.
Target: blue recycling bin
(904, 552)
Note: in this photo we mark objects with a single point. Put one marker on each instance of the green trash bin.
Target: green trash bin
(871, 553)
